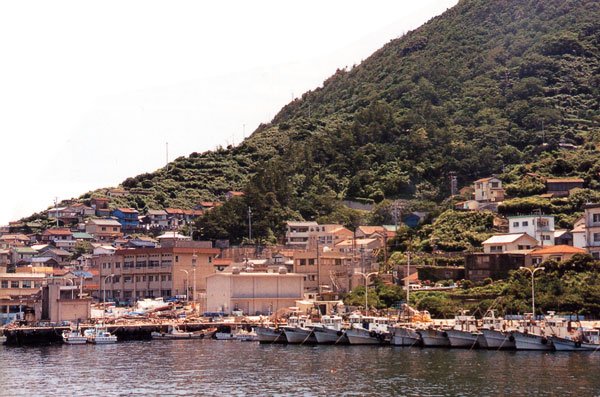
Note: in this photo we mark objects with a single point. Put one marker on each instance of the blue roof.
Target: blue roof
(82, 273)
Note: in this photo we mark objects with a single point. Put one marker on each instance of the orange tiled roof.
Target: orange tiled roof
(558, 249)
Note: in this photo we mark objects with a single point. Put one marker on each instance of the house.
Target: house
(558, 253)
(60, 237)
(81, 236)
(15, 239)
(100, 206)
(61, 256)
(175, 217)
(509, 242)
(327, 235)
(367, 231)
(414, 219)
(127, 217)
(103, 229)
(560, 187)
(231, 194)
(592, 229)
(253, 293)
(578, 233)
(142, 242)
(207, 205)
(324, 271)
(117, 192)
(488, 189)
(104, 250)
(540, 227)
(563, 237)
(157, 219)
(479, 266)
(297, 233)
(22, 255)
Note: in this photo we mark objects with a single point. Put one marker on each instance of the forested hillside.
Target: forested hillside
(490, 86)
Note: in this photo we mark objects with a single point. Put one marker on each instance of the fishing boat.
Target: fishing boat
(464, 333)
(434, 336)
(584, 339)
(175, 333)
(331, 331)
(495, 334)
(405, 335)
(366, 330)
(299, 330)
(225, 333)
(532, 335)
(99, 335)
(74, 337)
(268, 334)
(244, 335)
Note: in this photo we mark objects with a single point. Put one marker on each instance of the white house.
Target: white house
(508, 242)
(540, 227)
(578, 233)
(298, 233)
(488, 189)
(592, 229)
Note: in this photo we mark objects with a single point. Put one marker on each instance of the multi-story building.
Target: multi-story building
(60, 237)
(327, 236)
(165, 272)
(104, 229)
(325, 271)
(297, 234)
(540, 227)
(253, 293)
(157, 219)
(127, 217)
(488, 189)
(592, 229)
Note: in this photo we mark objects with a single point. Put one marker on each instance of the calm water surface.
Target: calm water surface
(231, 368)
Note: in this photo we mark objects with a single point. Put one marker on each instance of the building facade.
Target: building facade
(592, 229)
(540, 227)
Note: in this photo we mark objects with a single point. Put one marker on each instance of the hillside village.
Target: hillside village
(94, 252)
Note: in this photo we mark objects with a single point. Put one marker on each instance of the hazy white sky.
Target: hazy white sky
(90, 92)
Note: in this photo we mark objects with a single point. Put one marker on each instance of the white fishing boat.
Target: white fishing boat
(74, 337)
(405, 335)
(298, 330)
(366, 330)
(495, 333)
(532, 335)
(246, 335)
(175, 333)
(464, 333)
(434, 337)
(225, 333)
(99, 335)
(584, 339)
(331, 331)
(268, 334)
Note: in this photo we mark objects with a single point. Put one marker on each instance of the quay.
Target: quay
(45, 335)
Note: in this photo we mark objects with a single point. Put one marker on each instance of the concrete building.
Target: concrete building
(540, 227)
(253, 293)
(155, 272)
(508, 242)
(324, 271)
(298, 233)
(104, 229)
(488, 189)
(592, 229)
(61, 303)
(327, 236)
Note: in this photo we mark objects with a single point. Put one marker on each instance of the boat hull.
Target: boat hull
(531, 342)
(463, 339)
(434, 338)
(364, 337)
(297, 335)
(498, 339)
(564, 344)
(270, 335)
(403, 336)
(327, 336)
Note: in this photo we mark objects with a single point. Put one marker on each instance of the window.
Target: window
(150, 278)
(103, 229)
(26, 284)
(143, 278)
(163, 277)
(515, 224)
(525, 223)
(127, 279)
(137, 279)
(596, 237)
(536, 260)
(495, 184)
(116, 279)
(4, 284)
(210, 259)
(596, 255)
(14, 284)
(117, 265)
(596, 218)
(302, 262)
(496, 248)
(545, 237)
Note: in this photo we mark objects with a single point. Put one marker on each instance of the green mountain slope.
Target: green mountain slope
(483, 88)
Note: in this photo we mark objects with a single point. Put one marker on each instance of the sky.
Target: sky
(91, 92)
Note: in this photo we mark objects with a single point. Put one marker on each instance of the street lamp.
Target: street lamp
(185, 283)
(194, 260)
(366, 276)
(532, 272)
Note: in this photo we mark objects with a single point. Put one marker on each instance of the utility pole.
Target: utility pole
(249, 224)
(318, 270)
